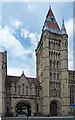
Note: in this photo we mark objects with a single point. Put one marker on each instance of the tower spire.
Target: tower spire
(63, 29)
(51, 23)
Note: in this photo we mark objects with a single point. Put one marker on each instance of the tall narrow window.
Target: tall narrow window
(22, 89)
(57, 76)
(50, 75)
(37, 106)
(49, 44)
(27, 90)
(7, 107)
(71, 94)
(50, 64)
(49, 53)
(54, 76)
(54, 54)
(19, 90)
(59, 46)
(57, 64)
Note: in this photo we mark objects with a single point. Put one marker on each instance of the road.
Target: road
(39, 118)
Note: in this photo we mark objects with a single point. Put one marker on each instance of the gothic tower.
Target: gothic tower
(52, 67)
(3, 74)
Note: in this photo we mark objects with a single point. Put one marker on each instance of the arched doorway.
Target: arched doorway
(53, 109)
(23, 109)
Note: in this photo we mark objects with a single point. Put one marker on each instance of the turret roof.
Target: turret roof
(51, 23)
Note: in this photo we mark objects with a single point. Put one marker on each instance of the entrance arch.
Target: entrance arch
(53, 109)
(23, 108)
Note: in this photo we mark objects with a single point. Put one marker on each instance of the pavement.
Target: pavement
(39, 118)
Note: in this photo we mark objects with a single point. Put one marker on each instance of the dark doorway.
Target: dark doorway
(53, 109)
(22, 108)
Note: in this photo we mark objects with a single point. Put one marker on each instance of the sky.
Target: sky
(20, 30)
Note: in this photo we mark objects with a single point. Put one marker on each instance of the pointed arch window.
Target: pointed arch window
(49, 53)
(49, 44)
(57, 64)
(26, 90)
(54, 64)
(22, 89)
(54, 76)
(56, 55)
(71, 94)
(19, 90)
(57, 76)
(59, 46)
(50, 64)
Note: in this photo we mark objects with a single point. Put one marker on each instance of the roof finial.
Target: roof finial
(50, 7)
(23, 72)
(63, 21)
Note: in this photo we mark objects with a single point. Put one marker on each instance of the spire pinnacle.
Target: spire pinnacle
(63, 29)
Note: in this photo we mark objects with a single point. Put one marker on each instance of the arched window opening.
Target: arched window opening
(54, 76)
(37, 107)
(59, 46)
(22, 89)
(7, 107)
(19, 90)
(50, 64)
(71, 94)
(57, 76)
(54, 54)
(54, 64)
(57, 64)
(49, 44)
(50, 75)
(49, 53)
(26, 90)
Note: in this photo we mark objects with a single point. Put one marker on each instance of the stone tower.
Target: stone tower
(3, 73)
(52, 67)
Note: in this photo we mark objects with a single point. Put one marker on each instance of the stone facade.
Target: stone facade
(52, 91)
(52, 68)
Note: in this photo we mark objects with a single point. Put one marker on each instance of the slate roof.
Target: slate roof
(50, 22)
(15, 79)
(71, 72)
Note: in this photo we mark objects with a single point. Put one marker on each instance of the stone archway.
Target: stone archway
(53, 109)
(23, 108)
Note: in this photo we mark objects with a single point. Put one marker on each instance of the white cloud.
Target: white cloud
(10, 43)
(31, 6)
(24, 33)
(70, 62)
(69, 26)
(18, 56)
(16, 23)
(33, 37)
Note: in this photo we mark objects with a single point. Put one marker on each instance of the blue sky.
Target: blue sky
(22, 23)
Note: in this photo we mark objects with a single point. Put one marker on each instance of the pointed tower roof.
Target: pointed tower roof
(63, 29)
(51, 23)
